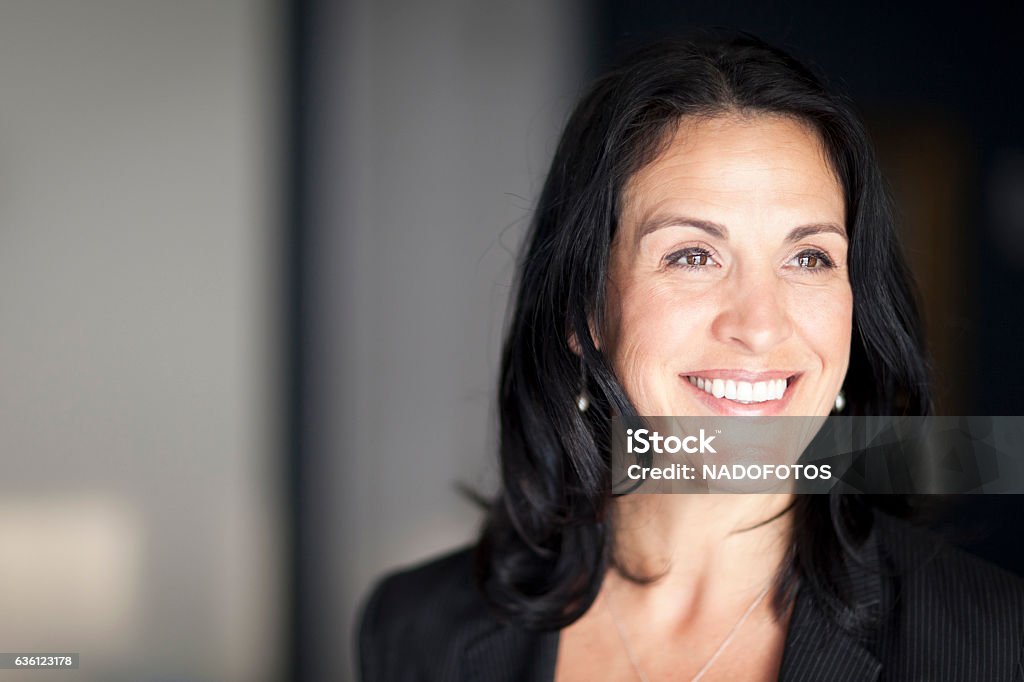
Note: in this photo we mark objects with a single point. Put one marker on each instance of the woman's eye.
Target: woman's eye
(691, 258)
(813, 260)
(697, 259)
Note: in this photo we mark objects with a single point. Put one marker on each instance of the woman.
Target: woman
(713, 239)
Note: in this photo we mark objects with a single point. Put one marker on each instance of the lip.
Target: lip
(724, 406)
(742, 374)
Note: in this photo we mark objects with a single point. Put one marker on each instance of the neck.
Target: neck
(703, 548)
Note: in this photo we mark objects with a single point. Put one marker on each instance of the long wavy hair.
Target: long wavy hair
(547, 539)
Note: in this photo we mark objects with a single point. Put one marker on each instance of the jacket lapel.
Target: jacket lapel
(816, 649)
(510, 654)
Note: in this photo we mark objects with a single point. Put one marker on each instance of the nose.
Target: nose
(753, 316)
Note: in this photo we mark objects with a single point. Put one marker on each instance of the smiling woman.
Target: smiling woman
(713, 239)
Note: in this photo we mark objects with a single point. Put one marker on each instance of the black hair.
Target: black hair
(547, 539)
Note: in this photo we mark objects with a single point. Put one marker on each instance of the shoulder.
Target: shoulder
(414, 619)
(948, 609)
(945, 574)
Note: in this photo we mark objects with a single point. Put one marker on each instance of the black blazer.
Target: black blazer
(948, 616)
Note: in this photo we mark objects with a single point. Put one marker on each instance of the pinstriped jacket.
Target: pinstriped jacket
(948, 616)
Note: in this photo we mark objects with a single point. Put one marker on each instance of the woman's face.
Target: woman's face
(728, 288)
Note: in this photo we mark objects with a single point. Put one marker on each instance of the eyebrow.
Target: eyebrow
(722, 232)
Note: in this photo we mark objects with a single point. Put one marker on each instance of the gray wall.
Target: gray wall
(432, 128)
(138, 222)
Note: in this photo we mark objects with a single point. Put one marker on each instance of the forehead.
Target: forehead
(731, 167)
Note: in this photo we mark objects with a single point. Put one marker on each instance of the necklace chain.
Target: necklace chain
(710, 662)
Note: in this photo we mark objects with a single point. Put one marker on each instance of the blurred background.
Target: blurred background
(254, 263)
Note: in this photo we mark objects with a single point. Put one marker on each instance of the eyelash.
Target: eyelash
(678, 259)
(826, 262)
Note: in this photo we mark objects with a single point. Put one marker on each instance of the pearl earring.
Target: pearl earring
(582, 398)
(840, 402)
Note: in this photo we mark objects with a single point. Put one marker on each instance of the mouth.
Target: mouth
(733, 391)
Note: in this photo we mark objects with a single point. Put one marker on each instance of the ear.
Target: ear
(574, 343)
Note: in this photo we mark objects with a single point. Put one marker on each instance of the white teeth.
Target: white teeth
(730, 389)
(745, 391)
(760, 391)
(718, 388)
(742, 391)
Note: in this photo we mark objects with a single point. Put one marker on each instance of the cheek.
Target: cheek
(655, 328)
(825, 320)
